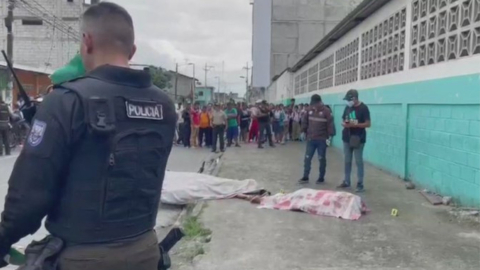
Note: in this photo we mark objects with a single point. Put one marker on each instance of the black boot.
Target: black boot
(303, 180)
(321, 181)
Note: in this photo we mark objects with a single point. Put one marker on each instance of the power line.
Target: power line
(51, 49)
(47, 12)
(50, 23)
(60, 27)
(56, 21)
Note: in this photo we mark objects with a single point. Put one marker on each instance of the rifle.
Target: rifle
(28, 109)
(23, 94)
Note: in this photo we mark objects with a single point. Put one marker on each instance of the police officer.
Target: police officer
(317, 124)
(4, 127)
(95, 158)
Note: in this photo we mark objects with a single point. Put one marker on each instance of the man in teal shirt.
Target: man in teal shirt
(232, 130)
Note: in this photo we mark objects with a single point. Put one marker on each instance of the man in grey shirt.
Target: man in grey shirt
(219, 122)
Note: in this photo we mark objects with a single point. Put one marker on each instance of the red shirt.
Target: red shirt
(195, 117)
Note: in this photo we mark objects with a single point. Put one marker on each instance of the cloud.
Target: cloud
(199, 31)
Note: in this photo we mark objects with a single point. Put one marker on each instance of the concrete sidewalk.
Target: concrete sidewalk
(244, 237)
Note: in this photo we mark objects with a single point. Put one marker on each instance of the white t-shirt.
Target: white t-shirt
(179, 116)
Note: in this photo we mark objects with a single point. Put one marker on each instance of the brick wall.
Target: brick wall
(444, 149)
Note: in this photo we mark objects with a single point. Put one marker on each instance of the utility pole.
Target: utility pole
(9, 25)
(247, 68)
(207, 69)
(218, 89)
(176, 81)
(193, 83)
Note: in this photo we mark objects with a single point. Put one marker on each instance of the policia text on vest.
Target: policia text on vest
(94, 163)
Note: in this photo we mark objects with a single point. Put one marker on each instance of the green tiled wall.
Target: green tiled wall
(426, 131)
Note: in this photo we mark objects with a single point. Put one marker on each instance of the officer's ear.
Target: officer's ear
(87, 43)
(134, 50)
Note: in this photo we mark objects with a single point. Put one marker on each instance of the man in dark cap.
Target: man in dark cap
(317, 124)
(356, 119)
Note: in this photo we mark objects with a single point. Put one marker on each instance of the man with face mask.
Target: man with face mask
(94, 161)
(356, 119)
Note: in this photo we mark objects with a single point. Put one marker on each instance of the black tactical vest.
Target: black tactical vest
(112, 186)
(4, 116)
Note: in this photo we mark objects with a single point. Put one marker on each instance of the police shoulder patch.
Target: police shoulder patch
(141, 109)
(36, 133)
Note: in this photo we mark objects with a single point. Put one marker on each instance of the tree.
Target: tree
(161, 77)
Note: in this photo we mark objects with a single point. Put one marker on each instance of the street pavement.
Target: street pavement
(181, 159)
(244, 237)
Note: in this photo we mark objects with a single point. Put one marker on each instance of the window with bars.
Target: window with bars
(444, 30)
(312, 78)
(346, 63)
(383, 47)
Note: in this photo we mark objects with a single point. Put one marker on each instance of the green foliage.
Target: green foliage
(161, 77)
(193, 228)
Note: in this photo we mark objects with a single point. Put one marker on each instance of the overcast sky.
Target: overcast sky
(198, 31)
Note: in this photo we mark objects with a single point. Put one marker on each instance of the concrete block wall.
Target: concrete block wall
(44, 46)
(425, 119)
(387, 134)
(444, 149)
(424, 132)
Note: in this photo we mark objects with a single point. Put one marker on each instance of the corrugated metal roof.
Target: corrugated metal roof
(360, 13)
(27, 68)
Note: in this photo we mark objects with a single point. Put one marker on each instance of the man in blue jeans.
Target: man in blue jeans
(356, 119)
(232, 125)
(317, 124)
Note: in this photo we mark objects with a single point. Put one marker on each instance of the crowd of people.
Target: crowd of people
(208, 125)
(277, 124)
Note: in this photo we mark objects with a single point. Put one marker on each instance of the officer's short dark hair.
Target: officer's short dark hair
(112, 26)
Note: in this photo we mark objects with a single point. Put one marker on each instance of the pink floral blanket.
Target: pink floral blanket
(318, 202)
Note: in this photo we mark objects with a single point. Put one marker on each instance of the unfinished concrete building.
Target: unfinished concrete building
(285, 30)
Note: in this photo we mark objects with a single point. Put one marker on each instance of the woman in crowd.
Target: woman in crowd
(244, 122)
(253, 134)
(296, 118)
(286, 124)
(278, 123)
(205, 125)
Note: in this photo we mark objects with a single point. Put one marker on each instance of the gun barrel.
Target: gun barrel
(23, 94)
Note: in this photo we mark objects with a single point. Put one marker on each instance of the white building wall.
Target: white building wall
(280, 89)
(284, 87)
(450, 68)
(261, 43)
(50, 45)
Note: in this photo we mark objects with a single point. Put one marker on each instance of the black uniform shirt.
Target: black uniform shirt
(36, 180)
(357, 114)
